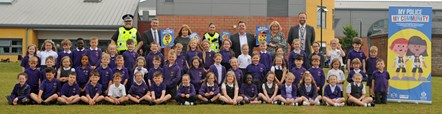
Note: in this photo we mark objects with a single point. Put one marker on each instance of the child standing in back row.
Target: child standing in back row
(66, 43)
(380, 82)
(207, 54)
(356, 53)
(48, 49)
(78, 52)
(31, 52)
(371, 66)
(94, 53)
(130, 55)
(266, 58)
(226, 53)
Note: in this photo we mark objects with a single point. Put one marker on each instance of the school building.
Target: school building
(370, 19)
(226, 14)
(24, 22)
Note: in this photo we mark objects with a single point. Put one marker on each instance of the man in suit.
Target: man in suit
(242, 37)
(151, 35)
(304, 32)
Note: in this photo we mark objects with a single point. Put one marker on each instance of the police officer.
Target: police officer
(126, 32)
(213, 37)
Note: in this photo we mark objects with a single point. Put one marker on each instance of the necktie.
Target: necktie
(302, 37)
(155, 37)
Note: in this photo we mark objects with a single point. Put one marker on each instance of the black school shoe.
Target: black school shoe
(9, 99)
(44, 103)
(205, 102)
(372, 104)
(60, 103)
(241, 103)
(144, 102)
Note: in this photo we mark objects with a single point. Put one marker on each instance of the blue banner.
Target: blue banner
(225, 35)
(167, 38)
(409, 54)
(262, 34)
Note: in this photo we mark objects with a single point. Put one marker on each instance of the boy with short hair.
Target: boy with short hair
(78, 53)
(21, 92)
(298, 70)
(105, 73)
(172, 73)
(156, 68)
(380, 83)
(70, 92)
(50, 62)
(158, 89)
(93, 90)
(94, 53)
(33, 75)
(122, 70)
(154, 52)
(356, 52)
(49, 89)
(266, 58)
(117, 91)
(356, 92)
(317, 73)
(130, 55)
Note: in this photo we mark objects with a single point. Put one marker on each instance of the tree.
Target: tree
(346, 42)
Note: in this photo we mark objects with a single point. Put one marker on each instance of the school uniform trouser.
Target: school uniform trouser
(180, 99)
(380, 97)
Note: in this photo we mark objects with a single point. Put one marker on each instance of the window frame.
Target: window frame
(11, 46)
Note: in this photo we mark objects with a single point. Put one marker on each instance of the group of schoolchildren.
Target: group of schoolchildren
(200, 75)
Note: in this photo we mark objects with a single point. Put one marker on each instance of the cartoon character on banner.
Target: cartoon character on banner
(399, 47)
(195, 35)
(417, 49)
(262, 36)
(225, 35)
(167, 38)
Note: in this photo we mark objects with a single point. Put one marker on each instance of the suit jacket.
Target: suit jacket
(236, 45)
(309, 36)
(147, 39)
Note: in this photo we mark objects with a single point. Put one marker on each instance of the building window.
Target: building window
(11, 46)
(324, 17)
(278, 8)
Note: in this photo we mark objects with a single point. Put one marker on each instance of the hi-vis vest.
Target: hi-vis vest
(124, 35)
(214, 45)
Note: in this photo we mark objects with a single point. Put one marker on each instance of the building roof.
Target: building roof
(384, 4)
(66, 13)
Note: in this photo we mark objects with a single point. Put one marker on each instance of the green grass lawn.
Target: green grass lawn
(8, 73)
